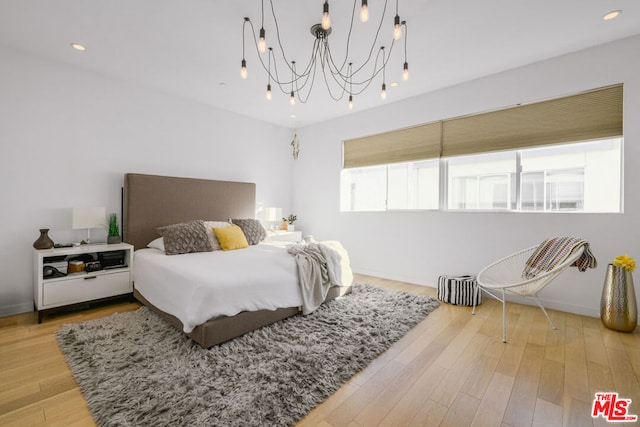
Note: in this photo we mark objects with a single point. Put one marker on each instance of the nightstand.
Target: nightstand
(56, 292)
(284, 236)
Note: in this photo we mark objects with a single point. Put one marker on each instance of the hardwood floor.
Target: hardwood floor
(450, 370)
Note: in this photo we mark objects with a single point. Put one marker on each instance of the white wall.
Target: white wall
(418, 246)
(68, 136)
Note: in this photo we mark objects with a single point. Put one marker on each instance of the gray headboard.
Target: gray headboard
(151, 201)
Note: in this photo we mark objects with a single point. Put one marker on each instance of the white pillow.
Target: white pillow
(209, 225)
(157, 244)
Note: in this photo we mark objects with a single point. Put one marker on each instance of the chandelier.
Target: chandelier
(341, 76)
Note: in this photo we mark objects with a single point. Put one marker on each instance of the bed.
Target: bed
(151, 201)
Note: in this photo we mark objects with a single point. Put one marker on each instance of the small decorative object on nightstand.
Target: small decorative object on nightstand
(114, 229)
(291, 219)
(44, 241)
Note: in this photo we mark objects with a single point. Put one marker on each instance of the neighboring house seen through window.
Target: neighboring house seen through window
(577, 177)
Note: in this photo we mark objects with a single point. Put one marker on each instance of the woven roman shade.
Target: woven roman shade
(403, 145)
(585, 116)
(589, 115)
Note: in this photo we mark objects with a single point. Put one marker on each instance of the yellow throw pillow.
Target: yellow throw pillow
(231, 237)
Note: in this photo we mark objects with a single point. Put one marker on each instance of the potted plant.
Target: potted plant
(291, 219)
(114, 229)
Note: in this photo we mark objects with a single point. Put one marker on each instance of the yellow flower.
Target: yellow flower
(625, 261)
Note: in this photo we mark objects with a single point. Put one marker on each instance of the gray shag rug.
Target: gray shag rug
(136, 370)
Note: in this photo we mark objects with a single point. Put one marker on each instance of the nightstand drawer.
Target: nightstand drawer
(85, 288)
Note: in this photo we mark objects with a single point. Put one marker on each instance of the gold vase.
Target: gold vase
(618, 307)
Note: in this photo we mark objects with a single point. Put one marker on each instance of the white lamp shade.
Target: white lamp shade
(94, 217)
(273, 214)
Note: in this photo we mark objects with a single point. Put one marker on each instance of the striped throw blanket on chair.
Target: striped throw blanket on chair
(555, 251)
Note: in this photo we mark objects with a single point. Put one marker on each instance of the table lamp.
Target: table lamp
(273, 215)
(88, 218)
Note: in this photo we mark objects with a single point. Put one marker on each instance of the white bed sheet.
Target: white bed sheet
(200, 286)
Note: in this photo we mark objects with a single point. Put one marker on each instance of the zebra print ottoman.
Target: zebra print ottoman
(459, 290)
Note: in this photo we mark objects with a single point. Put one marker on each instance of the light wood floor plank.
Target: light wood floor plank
(461, 412)
(431, 414)
(491, 409)
(451, 369)
(523, 397)
(551, 385)
(576, 413)
(547, 414)
(412, 403)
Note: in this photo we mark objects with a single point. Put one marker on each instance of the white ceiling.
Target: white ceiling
(193, 48)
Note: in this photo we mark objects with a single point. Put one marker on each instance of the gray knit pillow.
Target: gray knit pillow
(252, 229)
(185, 238)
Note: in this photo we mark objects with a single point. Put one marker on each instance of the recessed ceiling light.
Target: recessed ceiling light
(78, 46)
(613, 14)
(293, 116)
(394, 84)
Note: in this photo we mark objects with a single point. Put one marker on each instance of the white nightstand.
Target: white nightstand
(55, 293)
(284, 236)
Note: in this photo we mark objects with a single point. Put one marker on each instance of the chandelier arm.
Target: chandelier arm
(285, 85)
(349, 79)
(274, 76)
(346, 54)
(304, 75)
(296, 76)
(307, 71)
(312, 75)
(342, 85)
(373, 45)
(363, 85)
(406, 31)
(275, 20)
(244, 25)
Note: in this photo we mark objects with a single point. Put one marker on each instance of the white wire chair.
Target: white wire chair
(505, 276)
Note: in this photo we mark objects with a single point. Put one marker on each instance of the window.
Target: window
(363, 189)
(579, 177)
(484, 181)
(582, 177)
(413, 185)
(410, 185)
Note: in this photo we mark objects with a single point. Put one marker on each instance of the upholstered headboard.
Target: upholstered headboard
(151, 201)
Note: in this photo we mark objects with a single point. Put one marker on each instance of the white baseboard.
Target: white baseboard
(553, 305)
(407, 279)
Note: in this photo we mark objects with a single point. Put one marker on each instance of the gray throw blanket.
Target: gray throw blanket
(319, 268)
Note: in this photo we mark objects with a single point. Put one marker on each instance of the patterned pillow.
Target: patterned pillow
(185, 238)
(252, 229)
(208, 226)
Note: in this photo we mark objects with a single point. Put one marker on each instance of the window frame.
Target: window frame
(444, 188)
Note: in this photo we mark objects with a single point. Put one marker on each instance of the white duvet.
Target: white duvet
(200, 286)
